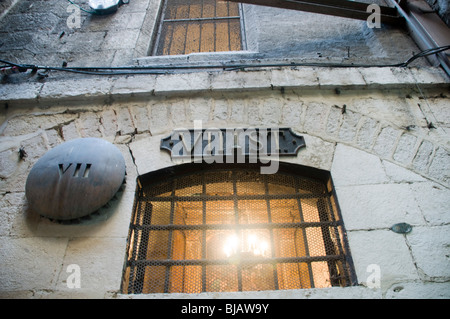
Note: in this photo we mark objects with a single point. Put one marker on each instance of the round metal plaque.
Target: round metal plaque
(75, 179)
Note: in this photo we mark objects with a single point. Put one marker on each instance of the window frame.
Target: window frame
(348, 277)
(161, 19)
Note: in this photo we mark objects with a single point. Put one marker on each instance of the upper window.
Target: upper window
(230, 228)
(189, 26)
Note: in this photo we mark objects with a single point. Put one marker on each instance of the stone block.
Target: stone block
(367, 133)
(429, 76)
(292, 110)
(35, 146)
(384, 249)
(53, 137)
(159, 117)
(182, 82)
(318, 153)
(379, 77)
(400, 174)
(434, 202)
(316, 116)
(270, 112)
(440, 108)
(26, 124)
(9, 160)
(386, 141)
(419, 290)
(406, 149)
(178, 112)
(89, 125)
(122, 21)
(148, 156)
(22, 92)
(134, 85)
(384, 107)
(199, 108)
(240, 80)
(125, 124)
(221, 109)
(30, 263)
(440, 165)
(93, 256)
(264, 112)
(423, 156)
(11, 205)
(140, 119)
(332, 78)
(79, 42)
(70, 131)
(238, 112)
(354, 292)
(349, 126)
(378, 206)
(108, 121)
(304, 77)
(430, 247)
(76, 88)
(120, 39)
(355, 167)
(334, 121)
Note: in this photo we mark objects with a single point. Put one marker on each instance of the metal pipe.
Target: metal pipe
(421, 37)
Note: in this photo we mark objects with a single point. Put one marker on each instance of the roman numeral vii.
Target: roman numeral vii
(77, 171)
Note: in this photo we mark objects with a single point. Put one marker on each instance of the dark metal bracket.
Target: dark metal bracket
(339, 8)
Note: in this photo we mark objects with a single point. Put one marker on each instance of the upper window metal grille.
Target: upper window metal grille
(189, 26)
(235, 230)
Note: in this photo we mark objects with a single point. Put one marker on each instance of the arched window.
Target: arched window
(204, 228)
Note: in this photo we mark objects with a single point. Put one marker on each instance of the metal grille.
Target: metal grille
(222, 229)
(189, 26)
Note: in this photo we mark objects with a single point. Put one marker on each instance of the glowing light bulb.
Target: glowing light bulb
(252, 240)
(230, 246)
(263, 247)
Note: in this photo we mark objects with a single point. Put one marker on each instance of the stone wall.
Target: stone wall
(372, 132)
(38, 32)
(381, 132)
(442, 8)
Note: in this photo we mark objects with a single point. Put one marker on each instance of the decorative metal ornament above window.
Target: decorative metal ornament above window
(75, 179)
(249, 142)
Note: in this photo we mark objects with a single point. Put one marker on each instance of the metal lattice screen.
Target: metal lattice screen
(189, 26)
(235, 230)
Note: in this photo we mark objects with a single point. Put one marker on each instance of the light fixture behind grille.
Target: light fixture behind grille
(229, 228)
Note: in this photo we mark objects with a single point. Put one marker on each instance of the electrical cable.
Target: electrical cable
(164, 69)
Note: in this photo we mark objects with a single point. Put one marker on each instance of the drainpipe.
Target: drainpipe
(426, 28)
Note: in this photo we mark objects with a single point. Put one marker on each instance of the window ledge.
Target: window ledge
(203, 58)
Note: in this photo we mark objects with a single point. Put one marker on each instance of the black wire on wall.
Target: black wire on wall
(164, 69)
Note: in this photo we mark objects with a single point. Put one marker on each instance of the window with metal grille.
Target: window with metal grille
(189, 26)
(229, 228)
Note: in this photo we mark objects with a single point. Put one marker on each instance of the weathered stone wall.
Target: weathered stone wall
(442, 8)
(43, 33)
(381, 132)
(372, 132)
